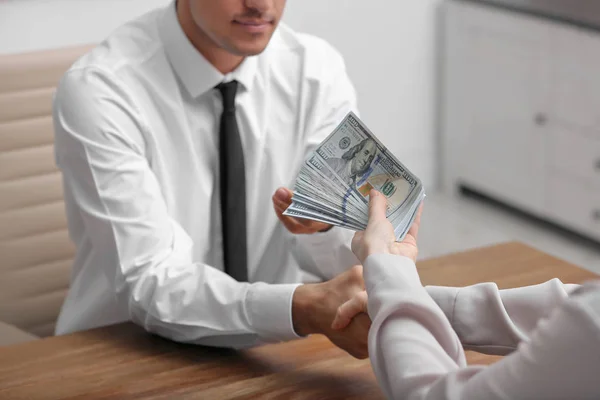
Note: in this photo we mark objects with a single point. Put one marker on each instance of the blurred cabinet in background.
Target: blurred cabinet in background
(521, 112)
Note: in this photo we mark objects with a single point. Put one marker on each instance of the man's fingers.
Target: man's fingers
(377, 206)
(343, 315)
(358, 328)
(283, 195)
(298, 225)
(349, 310)
(309, 225)
(282, 199)
(292, 225)
(279, 209)
(280, 204)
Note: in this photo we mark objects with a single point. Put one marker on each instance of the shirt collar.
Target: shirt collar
(198, 74)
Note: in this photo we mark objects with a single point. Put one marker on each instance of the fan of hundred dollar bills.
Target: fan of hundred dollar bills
(334, 183)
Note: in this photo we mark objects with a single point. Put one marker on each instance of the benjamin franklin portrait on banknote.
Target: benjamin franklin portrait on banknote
(354, 162)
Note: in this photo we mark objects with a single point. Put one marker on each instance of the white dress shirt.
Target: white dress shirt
(416, 341)
(136, 124)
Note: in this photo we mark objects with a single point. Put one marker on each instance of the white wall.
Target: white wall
(388, 46)
(389, 50)
(29, 25)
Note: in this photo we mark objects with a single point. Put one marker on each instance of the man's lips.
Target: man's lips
(254, 26)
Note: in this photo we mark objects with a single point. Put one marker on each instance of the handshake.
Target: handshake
(338, 308)
(316, 306)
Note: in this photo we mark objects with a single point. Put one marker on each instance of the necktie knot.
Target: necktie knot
(228, 91)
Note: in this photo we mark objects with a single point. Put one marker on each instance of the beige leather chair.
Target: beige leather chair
(35, 250)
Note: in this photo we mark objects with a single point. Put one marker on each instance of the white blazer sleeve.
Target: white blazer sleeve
(493, 321)
(416, 353)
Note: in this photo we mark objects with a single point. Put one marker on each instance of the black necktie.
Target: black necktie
(233, 187)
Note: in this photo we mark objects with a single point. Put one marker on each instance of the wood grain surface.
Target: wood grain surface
(124, 362)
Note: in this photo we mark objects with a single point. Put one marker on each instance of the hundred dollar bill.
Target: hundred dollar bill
(355, 156)
(334, 183)
(347, 197)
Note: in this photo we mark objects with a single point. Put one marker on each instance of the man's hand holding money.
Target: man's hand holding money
(282, 199)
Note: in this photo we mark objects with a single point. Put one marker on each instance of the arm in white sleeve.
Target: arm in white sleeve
(416, 354)
(100, 150)
(327, 254)
(494, 321)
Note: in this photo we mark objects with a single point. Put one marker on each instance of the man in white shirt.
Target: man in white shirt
(173, 119)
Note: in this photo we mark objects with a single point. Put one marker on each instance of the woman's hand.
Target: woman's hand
(379, 236)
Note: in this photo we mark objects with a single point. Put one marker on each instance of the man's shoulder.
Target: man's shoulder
(127, 47)
(111, 69)
(317, 56)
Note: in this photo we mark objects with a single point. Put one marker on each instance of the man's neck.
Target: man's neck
(220, 58)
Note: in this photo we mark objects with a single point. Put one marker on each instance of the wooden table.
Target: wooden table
(124, 362)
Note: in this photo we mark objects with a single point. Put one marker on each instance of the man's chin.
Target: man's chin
(247, 48)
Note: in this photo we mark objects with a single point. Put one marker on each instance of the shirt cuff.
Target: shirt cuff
(270, 311)
(445, 298)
